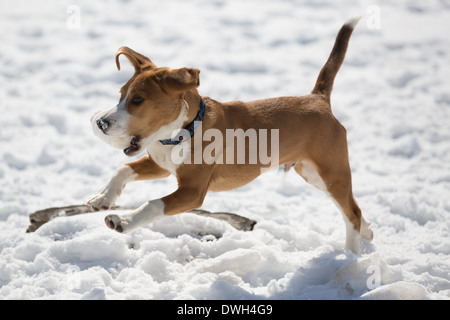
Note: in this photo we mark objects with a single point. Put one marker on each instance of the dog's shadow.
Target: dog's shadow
(330, 274)
(201, 228)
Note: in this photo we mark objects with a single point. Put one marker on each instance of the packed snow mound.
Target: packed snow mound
(391, 94)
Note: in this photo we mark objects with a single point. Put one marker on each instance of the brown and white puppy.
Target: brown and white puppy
(157, 103)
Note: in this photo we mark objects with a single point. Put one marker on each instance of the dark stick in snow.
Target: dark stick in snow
(41, 217)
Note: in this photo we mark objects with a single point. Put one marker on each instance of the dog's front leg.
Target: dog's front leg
(106, 197)
(189, 195)
(182, 200)
(144, 168)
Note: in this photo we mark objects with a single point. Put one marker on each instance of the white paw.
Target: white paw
(145, 214)
(115, 222)
(365, 230)
(104, 199)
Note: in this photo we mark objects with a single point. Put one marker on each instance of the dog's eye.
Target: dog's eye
(137, 100)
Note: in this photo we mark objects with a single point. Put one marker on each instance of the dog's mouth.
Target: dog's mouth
(133, 148)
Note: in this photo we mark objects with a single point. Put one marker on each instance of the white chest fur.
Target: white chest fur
(162, 154)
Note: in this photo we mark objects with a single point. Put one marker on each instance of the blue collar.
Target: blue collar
(190, 128)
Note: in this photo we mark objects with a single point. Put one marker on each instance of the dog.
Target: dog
(161, 112)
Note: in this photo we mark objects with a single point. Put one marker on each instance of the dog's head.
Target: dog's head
(151, 100)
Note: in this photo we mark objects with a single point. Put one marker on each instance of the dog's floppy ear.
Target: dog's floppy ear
(139, 61)
(180, 80)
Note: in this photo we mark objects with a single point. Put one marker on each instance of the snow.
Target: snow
(392, 94)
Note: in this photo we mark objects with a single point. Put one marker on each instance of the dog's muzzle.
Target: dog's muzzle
(110, 128)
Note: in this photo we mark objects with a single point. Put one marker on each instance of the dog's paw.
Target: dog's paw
(103, 200)
(366, 232)
(114, 222)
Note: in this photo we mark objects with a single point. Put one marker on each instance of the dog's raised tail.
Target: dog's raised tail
(324, 83)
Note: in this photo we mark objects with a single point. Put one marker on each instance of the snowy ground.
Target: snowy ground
(392, 94)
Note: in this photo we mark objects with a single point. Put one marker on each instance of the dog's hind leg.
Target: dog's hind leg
(336, 182)
(342, 195)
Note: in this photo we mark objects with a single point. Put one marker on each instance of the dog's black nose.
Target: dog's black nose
(103, 125)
